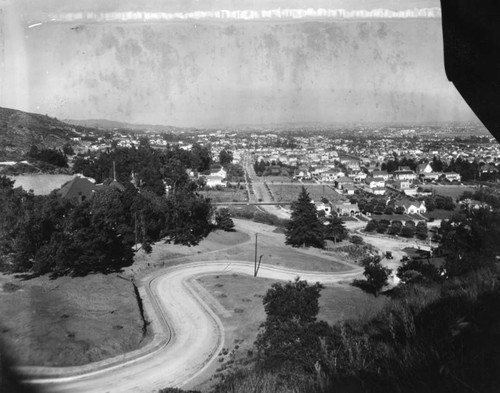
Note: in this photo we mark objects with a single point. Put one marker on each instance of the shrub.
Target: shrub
(355, 239)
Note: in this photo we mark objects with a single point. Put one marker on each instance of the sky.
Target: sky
(183, 63)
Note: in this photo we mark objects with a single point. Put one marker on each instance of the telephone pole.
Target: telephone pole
(255, 263)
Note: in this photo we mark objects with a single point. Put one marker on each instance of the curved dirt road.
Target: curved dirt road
(197, 334)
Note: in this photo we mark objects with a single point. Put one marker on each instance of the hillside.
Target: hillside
(20, 130)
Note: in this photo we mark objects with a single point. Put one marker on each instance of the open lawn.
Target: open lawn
(228, 195)
(221, 246)
(289, 193)
(240, 299)
(439, 214)
(453, 191)
(68, 321)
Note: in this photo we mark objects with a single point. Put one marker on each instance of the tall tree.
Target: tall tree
(304, 227)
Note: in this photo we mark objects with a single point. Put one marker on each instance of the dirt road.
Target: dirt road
(197, 333)
(194, 334)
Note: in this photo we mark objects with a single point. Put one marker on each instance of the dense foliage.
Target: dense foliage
(49, 156)
(151, 169)
(49, 234)
(290, 337)
(470, 240)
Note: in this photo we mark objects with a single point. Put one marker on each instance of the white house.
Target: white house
(324, 207)
(331, 175)
(412, 207)
(424, 168)
(345, 209)
(451, 176)
(360, 176)
(214, 181)
(404, 175)
(218, 172)
(375, 182)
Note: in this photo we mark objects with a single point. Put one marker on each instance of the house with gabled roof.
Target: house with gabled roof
(79, 188)
(383, 174)
(411, 207)
(424, 168)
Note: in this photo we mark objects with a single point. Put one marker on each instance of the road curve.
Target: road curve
(196, 334)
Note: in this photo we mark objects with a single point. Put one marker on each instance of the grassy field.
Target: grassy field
(453, 191)
(439, 214)
(68, 321)
(229, 195)
(241, 296)
(289, 193)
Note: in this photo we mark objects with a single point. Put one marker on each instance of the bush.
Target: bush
(223, 220)
(355, 239)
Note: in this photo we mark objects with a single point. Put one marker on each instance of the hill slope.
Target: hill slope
(20, 130)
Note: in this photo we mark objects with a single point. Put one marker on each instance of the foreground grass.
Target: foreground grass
(241, 297)
(435, 338)
(68, 321)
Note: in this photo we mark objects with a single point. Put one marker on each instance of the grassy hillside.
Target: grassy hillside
(20, 130)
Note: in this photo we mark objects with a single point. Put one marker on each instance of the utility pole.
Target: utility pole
(255, 263)
(135, 230)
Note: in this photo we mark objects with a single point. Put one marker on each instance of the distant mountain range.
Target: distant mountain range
(116, 125)
(20, 130)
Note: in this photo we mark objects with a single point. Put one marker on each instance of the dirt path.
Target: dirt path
(197, 332)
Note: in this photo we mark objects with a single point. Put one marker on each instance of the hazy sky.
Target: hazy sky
(224, 72)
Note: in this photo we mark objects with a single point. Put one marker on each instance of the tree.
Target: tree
(225, 157)
(223, 219)
(417, 271)
(290, 338)
(429, 203)
(371, 226)
(201, 159)
(382, 226)
(399, 210)
(407, 231)
(421, 230)
(304, 227)
(376, 276)
(395, 228)
(335, 229)
(187, 218)
(355, 239)
(470, 241)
